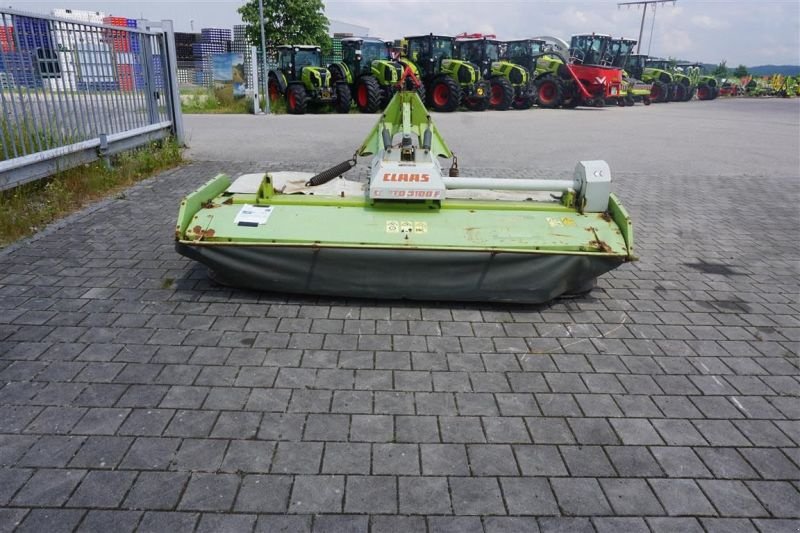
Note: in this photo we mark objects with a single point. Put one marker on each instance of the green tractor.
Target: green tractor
(510, 86)
(640, 68)
(619, 55)
(448, 82)
(302, 80)
(704, 86)
(369, 70)
(680, 88)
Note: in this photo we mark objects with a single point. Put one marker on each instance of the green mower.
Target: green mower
(303, 81)
(413, 230)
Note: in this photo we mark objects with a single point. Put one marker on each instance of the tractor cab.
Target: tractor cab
(428, 51)
(588, 49)
(292, 59)
(358, 53)
(636, 65)
(618, 52)
(660, 64)
(481, 50)
(524, 52)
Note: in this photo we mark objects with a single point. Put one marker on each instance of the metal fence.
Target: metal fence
(72, 91)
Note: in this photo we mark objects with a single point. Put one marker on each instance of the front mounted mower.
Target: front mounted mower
(303, 81)
(413, 231)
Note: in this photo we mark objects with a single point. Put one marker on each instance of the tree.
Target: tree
(721, 71)
(740, 72)
(288, 22)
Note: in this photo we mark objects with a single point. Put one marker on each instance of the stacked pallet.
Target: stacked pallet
(20, 69)
(72, 40)
(241, 45)
(212, 41)
(32, 33)
(7, 39)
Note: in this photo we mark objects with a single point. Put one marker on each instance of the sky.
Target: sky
(750, 32)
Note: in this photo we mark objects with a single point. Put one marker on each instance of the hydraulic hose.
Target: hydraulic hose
(327, 175)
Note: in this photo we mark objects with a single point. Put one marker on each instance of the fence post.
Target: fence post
(171, 83)
(150, 85)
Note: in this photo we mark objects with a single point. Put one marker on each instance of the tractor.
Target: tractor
(572, 75)
(302, 79)
(704, 86)
(679, 89)
(369, 70)
(510, 85)
(618, 55)
(448, 82)
(639, 68)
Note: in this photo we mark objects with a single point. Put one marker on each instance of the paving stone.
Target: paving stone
(529, 496)
(297, 458)
(213, 523)
(10, 482)
(728, 525)
(371, 494)
(631, 497)
(681, 497)
(283, 524)
(396, 524)
(248, 456)
(539, 460)
(204, 455)
(341, 523)
(100, 521)
(399, 459)
(674, 525)
(210, 492)
(150, 453)
(629, 525)
(156, 490)
(48, 488)
(51, 451)
(51, 520)
(317, 494)
(423, 495)
(562, 524)
(781, 499)
(264, 494)
(159, 521)
(580, 496)
(732, 498)
(454, 524)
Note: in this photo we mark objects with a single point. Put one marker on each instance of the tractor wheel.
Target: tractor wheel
(501, 95)
(523, 102)
(714, 93)
(344, 100)
(704, 92)
(368, 94)
(445, 94)
(690, 94)
(274, 89)
(646, 100)
(549, 93)
(658, 93)
(621, 102)
(421, 92)
(296, 99)
(679, 94)
(629, 101)
(477, 104)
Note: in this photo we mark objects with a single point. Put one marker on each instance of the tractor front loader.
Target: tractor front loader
(448, 82)
(303, 81)
(368, 69)
(510, 85)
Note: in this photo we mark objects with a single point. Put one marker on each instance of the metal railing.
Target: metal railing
(73, 91)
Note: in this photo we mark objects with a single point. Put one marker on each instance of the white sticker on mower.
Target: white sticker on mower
(253, 215)
(406, 226)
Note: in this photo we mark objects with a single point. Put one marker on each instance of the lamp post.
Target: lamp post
(644, 3)
(264, 55)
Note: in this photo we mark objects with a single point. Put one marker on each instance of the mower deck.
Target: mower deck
(470, 248)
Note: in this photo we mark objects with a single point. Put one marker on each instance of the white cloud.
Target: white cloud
(709, 23)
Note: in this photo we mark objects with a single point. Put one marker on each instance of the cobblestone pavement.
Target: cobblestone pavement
(134, 394)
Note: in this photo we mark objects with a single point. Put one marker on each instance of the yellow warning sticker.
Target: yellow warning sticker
(558, 222)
